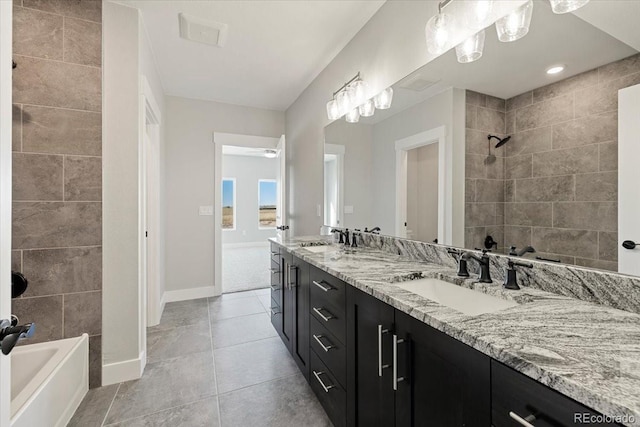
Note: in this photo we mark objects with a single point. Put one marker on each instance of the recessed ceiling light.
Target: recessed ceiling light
(555, 69)
(270, 154)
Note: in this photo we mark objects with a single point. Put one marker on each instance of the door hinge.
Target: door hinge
(146, 234)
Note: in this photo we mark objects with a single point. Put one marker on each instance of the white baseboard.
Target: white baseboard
(259, 244)
(188, 294)
(127, 370)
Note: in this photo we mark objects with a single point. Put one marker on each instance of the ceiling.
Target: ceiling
(273, 50)
(509, 69)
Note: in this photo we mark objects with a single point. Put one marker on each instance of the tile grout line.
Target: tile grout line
(260, 383)
(158, 411)
(213, 362)
(111, 405)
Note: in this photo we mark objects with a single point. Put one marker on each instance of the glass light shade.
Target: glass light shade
(566, 6)
(367, 109)
(479, 13)
(345, 99)
(333, 112)
(360, 92)
(352, 116)
(439, 32)
(471, 49)
(382, 101)
(515, 25)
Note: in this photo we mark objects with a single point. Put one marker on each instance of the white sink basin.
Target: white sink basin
(321, 248)
(461, 299)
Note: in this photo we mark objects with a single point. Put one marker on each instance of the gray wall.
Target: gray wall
(57, 170)
(247, 170)
(189, 128)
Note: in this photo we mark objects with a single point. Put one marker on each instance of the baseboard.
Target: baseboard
(188, 294)
(127, 370)
(259, 244)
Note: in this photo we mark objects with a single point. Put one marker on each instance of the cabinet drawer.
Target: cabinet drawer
(327, 291)
(333, 320)
(516, 395)
(275, 272)
(275, 253)
(331, 395)
(275, 311)
(331, 351)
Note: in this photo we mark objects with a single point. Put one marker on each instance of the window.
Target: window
(228, 203)
(267, 196)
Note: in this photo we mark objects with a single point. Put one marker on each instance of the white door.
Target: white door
(5, 200)
(281, 178)
(628, 179)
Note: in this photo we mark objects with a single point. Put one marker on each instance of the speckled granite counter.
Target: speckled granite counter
(587, 351)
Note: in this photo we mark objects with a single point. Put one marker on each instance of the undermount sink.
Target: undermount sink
(320, 249)
(461, 299)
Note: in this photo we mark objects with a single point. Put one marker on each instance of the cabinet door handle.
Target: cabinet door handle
(380, 365)
(274, 311)
(275, 270)
(319, 313)
(396, 379)
(324, 288)
(326, 348)
(325, 387)
(275, 287)
(522, 421)
(292, 268)
(274, 253)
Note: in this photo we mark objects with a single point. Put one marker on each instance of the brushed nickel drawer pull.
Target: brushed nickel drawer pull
(324, 288)
(275, 287)
(275, 270)
(274, 253)
(326, 348)
(523, 421)
(396, 379)
(319, 313)
(274, 311)
(325, 387)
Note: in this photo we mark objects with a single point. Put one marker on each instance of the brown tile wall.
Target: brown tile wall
(57, 169)
(560, 167)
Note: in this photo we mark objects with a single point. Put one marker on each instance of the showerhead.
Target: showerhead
(501, 142)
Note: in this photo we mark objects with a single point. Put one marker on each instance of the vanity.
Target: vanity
(376, 352)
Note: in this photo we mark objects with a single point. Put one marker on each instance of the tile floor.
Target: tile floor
(211, 362)
(245, 268)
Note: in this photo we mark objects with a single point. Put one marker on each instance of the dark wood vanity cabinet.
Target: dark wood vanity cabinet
(406, 373)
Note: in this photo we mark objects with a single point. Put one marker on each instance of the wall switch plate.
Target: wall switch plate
(205, 211)
(348, 209)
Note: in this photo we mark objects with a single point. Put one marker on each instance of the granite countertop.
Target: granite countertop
(587, 351)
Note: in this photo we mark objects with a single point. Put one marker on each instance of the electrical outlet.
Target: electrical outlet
(205, 211)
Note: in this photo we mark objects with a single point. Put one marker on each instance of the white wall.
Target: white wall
(189, 127)
(357, 140)
(247, 170)
(390, 46)
(422, 193)
(121, 343)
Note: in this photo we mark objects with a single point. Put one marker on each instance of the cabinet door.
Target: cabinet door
(300, 313)
(369, 388)
(287, 299)
(444, 382)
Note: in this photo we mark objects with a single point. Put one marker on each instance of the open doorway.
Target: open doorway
(422, 193)
(249, 187)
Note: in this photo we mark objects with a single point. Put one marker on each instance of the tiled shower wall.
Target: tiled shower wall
(57, 169)
(560, 167)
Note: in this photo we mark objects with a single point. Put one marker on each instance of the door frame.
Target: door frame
(445, 192)
(150, 123)
(6, 121)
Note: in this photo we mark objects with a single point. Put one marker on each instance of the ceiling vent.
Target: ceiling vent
(417, 83)
(202, 31)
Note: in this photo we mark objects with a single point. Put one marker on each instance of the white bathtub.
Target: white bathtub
(48, 381)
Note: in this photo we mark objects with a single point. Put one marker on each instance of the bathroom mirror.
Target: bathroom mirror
(427, 169)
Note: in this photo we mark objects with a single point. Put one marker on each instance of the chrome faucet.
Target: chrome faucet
(485, 273)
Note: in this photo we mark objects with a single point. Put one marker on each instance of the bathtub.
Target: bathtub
(48, 381)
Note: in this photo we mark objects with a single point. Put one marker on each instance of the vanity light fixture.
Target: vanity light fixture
(471, 49)
(382, 101)
(333, 111)
(270, 154)
(352, 116)
(566, 6)
(440, 30)
(515, 25)
(478, 15)
(353, 101)
(555, 69)
(367, 109)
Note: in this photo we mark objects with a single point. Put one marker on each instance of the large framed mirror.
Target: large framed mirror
(501, 154)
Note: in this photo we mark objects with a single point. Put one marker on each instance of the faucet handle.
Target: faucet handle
(9, 335)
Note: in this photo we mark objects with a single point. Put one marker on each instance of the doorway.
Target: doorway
(422, 193)
(249, 181)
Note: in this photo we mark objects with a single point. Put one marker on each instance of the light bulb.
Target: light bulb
(383, 100)
(353, 116)
(439, 31)
(471, 49)
(479, 13)
(555, 70)
(360, 92)
(515, 25)
(333, 112)
(367, 109)
(566, 6)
